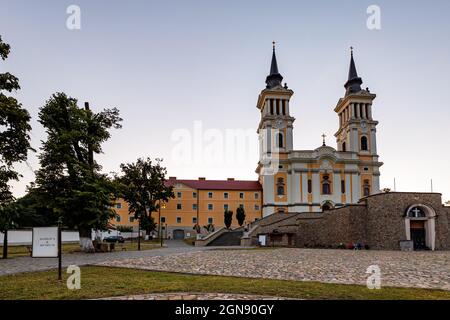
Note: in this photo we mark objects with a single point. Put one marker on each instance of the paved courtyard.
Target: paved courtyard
(404, 269)
(195, 296)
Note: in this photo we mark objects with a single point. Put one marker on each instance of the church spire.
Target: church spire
(353, 84)
(274, 78)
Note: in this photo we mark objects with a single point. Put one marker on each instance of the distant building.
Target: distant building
(201, 202)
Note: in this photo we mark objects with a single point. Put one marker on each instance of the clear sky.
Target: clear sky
(168, 64)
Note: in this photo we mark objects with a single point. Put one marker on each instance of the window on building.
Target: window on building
(118, 218)
(194, 206)
(241, 195)
(309, 186)
(225, 207)
(225, 195)
(210, 220)
(280, 186)
(326, 186)
(194, 195)
(131, 219)
(366, 188)
(178, 206)
(241, 206)
(194, 220)
(178, 219)
(178, 194)
(364, 145)
(344, 147)
(279, 140)
(256, 207)
(342, 186)
(210, 206)
(210, 195)
(256, 195)
(163, 219)
(118, 206)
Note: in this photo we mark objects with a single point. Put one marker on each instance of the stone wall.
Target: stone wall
(385, 221)
(329, 229)
(377, 221)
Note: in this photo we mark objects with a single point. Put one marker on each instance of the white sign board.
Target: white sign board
(45, 242)
(262, 240)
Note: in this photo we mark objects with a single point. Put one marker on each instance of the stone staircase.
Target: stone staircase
(230, 238)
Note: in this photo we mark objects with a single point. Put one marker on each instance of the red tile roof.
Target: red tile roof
(217, 184)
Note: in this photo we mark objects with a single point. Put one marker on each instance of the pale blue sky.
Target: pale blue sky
(166, 64)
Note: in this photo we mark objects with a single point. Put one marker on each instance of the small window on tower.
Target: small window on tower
(344, 147)
(364, 146)
(309, 186)
(280, 142)
(271, 106)
(280, 187)
(342, 186)
(366, 188)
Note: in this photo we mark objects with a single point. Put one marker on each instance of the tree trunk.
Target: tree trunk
(86, 240)
(5, 244)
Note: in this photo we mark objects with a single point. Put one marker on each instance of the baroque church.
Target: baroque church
(324, 178)
(330, 197)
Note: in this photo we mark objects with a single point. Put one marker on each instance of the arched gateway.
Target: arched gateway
(420, 226)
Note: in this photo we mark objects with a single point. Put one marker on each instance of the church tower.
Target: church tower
(275, 137)
(357, 129)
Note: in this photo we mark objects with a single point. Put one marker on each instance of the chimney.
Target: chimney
(230, 179)
(172, 178)
(202, 178)
(86, 105)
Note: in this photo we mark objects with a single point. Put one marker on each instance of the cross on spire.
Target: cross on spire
(323, 137)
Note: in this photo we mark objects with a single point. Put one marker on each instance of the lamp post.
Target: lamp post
(163, 205)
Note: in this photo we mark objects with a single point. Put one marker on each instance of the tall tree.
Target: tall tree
(240, 215)
(69, 178)
(143, 187)
(14, 140)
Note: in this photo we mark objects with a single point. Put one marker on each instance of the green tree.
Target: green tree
(69, 179)
(240, 215)
(14, 141)
(228, 218)
(148, 224)
(143, 187)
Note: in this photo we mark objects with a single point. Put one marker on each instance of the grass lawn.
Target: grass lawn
(97, 282)
(68, 248)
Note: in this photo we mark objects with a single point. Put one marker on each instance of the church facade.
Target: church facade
(331, 198)
(323, 178)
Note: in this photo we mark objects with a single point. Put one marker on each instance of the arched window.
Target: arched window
(366, 188)
(326, 187)
(280, 187)
(344, 147)
(416, 212)
(364, 145)
(280, 140)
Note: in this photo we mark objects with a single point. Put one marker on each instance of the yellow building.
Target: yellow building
(201, 202)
